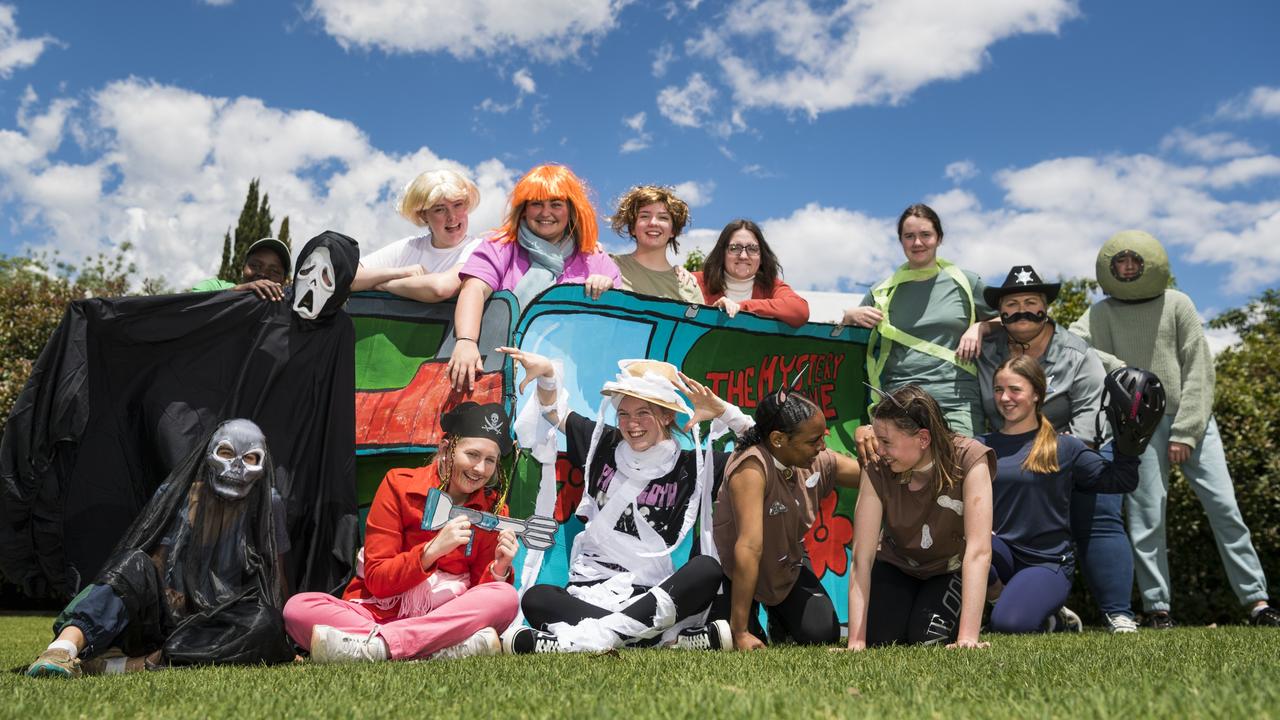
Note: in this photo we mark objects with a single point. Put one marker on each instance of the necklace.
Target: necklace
(1024, 348)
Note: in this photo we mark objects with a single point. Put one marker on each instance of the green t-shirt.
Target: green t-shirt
(658, 283)
(211, 285)
(936, 310)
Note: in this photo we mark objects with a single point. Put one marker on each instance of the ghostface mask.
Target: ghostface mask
(314, 285)
(236, 454)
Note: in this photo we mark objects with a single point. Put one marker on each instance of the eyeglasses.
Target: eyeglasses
(750, 250)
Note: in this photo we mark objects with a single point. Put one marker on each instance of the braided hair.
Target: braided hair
(782, 411)
(444, 460)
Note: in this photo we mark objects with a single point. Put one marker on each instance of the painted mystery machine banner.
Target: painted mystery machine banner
(402, 346)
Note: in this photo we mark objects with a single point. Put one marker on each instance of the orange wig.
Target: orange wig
(554, 182)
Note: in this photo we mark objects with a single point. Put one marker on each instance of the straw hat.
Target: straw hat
(653, 381)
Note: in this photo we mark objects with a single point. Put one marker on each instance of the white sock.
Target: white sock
(67, 645)
(1252, 613)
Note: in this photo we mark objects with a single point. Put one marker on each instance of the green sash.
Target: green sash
(886, 334)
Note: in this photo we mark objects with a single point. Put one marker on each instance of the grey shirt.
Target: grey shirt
(1074, 373)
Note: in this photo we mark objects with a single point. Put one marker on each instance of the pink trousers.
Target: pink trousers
(492, 604)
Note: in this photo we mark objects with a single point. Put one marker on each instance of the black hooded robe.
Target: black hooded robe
(198, 575)
(126, 386)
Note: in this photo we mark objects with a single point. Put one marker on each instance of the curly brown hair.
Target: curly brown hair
(623, 220)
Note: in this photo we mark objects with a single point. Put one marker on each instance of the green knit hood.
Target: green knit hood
(1154, 275)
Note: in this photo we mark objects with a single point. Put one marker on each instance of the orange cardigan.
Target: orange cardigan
(394, 538)
(781, 303)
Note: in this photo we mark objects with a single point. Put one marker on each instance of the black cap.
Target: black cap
(470, 419)
(1022, 279)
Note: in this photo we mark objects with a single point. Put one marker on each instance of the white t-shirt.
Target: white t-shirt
(419, 250)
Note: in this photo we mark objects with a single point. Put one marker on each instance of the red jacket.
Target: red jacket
(394, 538)
(781, 303)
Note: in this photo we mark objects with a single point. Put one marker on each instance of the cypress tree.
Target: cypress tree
(253, 225)
(226, 254)
(284, 232)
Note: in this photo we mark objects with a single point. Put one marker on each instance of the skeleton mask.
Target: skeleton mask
(314, 284)
(236, 455)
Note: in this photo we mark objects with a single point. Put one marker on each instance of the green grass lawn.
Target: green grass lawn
(1191, 672)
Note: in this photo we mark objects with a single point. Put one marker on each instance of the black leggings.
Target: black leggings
(908, 610)
(691, 589)
(806, 616)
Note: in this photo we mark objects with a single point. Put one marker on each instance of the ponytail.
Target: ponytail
(1043, 457)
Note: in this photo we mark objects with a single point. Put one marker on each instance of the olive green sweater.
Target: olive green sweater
(1163, 335)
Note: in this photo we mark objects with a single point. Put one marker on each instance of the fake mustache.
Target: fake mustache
(1035, 317)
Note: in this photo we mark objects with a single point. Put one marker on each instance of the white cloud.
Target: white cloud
(1210, 146)
(823, 248)
(15, 51)
(1260, 102)
(168, 171)
(862, 52)
(960, 170)
(523, 81)
(1243, 171)
(1055, 215)
(641, 139)
(548, 30)
(1221, 338)
(662, 57)
(695, 193)
(687, 106)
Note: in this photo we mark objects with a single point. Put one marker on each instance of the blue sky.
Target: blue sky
(1036, 127)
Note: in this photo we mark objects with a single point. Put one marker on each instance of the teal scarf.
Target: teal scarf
(546, 263)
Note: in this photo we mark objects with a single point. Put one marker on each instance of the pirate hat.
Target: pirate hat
(470, 419)
(1021, 279)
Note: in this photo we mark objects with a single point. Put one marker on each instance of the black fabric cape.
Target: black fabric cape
(127, 386)
(198, 574)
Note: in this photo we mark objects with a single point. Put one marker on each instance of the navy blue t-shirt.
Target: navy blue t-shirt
(1032, 511)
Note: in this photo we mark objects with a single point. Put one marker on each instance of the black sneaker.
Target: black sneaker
(526, 641)
(712, 636)
(1266, 617)
(1160, 620)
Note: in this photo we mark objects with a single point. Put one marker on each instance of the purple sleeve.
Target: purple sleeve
(487, 263)
(602, 264)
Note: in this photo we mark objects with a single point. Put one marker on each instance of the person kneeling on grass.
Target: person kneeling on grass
(642, 495)
(930, 490)
(196, 579)
(1037, 470)
(775, 482)
(424, 593)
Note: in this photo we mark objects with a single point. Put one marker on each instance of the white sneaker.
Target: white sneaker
(714, 635)
(484, 642)
(331, 645)
(1120, 623)
(1068, 620)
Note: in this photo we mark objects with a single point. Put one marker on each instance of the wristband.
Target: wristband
(548, 383)
(495, 575)
(460, 339)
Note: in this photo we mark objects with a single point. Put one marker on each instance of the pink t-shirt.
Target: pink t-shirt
(501, 265)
